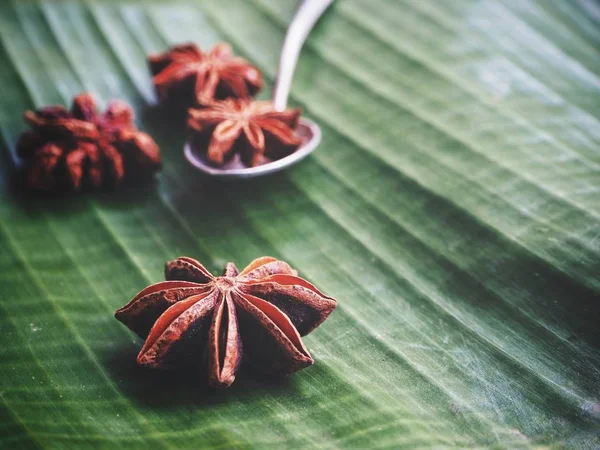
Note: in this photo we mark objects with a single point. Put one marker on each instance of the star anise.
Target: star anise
(264, 309)
(191, 77)
(254, 129)
(76, 147)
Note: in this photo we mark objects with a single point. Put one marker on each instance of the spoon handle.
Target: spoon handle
(304, 20)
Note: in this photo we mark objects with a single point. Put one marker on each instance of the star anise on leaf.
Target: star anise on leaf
(254, 129)
(81, 147)
(194, 317)
(187, 75)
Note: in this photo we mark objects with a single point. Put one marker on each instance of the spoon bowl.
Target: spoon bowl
(308, 131)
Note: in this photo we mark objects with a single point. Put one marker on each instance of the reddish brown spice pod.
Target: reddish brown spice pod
(186, 75)
(254, 129)
(80, 147)
(261, 312)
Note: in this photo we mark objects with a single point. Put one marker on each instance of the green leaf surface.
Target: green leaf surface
(453, 209)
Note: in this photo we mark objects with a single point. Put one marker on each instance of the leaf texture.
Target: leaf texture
(452, 208)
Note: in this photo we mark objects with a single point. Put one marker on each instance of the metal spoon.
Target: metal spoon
(310, 133)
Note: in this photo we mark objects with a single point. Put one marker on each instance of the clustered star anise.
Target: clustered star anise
(195, 317)
(186, 75)
(223, 119)
(77, 148)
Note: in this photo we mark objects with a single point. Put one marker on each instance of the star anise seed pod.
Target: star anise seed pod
(191, 77)
(254, 129)
(72, 147)
(262, 310)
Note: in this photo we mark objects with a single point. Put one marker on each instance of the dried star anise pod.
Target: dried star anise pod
(187, 75)
(69, 148)
(262, 310)
(254, 129)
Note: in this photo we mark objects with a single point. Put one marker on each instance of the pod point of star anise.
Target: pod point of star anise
(254, 130)
(185, 75)
(79, 147)
(195, 317)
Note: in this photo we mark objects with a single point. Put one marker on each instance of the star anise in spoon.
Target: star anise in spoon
(254, 129)
(261, 312)
(81, 147)
(185, 74)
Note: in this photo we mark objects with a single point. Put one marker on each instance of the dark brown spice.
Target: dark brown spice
(187, 76)
(261, 311)
(254, 129)
(77, 148)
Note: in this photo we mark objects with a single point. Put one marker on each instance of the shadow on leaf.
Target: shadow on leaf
(63, 201)
(173, 389)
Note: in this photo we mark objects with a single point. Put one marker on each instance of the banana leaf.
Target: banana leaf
(452, 208)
